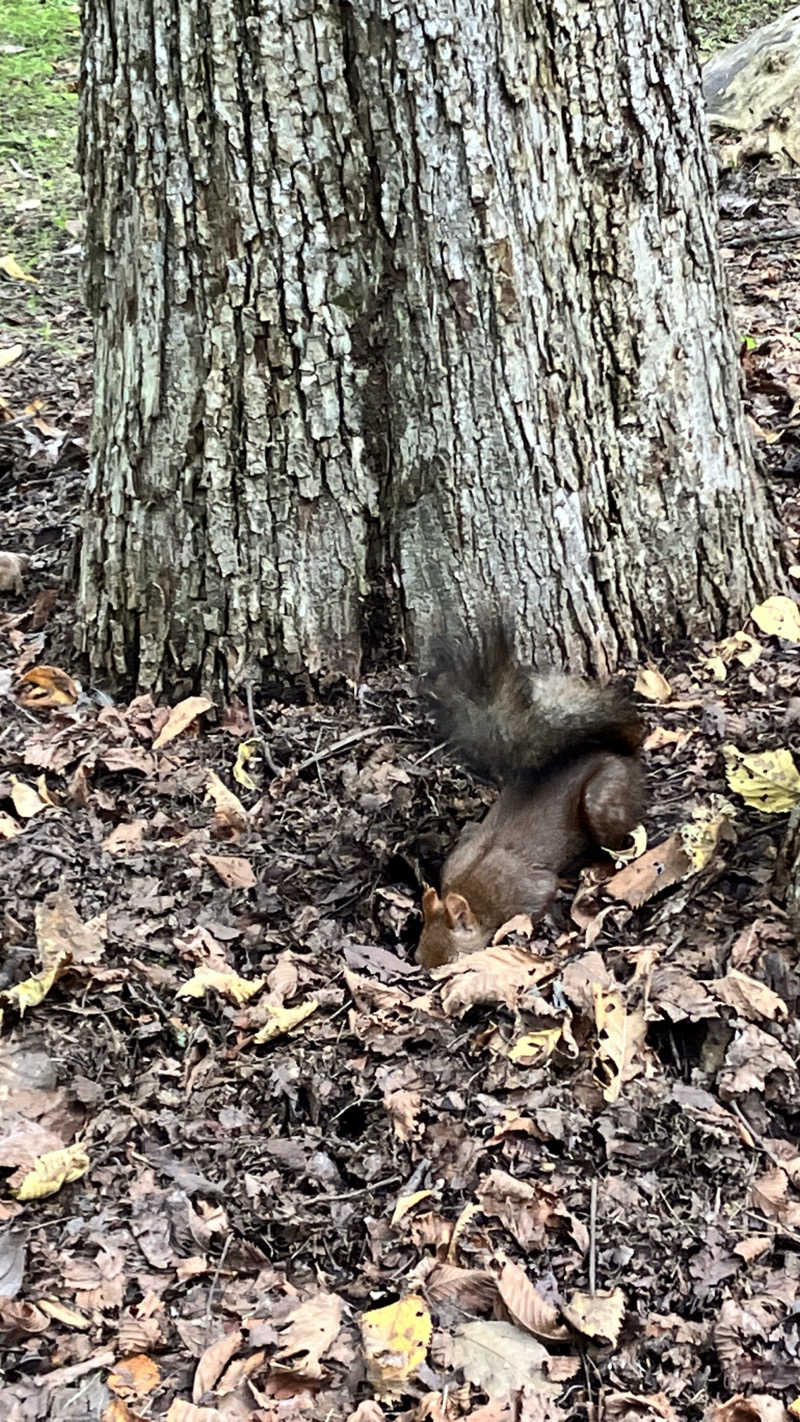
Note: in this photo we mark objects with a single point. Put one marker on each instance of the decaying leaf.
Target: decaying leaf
(652, 685)
(52, 1170)
(45, 687)
(284, 1019)
(535, 1047)
(244, 753)
(134, 1377)
(597, 1316)
(234, 871)
(230, 812)
(8, 826)
(209, 1368)
(27, 800)
(407, 1202)
(500, 1358)
(659, 868)
(611, 1026)
(749, 997)
(709, 824)
(526, 1307)
(395, 1341)
(310, 1331)
(227, 984)
(63, 937)
(778, 617)
(12, 573)
(31, 991)
(768, 781)
(180, 718)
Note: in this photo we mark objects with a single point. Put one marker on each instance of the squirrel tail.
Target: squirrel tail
(509, 720)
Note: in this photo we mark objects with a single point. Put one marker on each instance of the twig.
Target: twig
(753, 1134)
(364, 1190)
(76, 1370)
(593, 1236)
(212, 1290)
(349, 740)
(751, 239)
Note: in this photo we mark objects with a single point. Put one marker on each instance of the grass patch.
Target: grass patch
(39, 189)
(723, 22)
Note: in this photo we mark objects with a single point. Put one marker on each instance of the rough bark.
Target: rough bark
(404, 306)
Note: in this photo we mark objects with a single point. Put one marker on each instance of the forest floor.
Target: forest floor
(258, 1120)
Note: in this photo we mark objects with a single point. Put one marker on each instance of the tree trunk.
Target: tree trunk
(401, 308)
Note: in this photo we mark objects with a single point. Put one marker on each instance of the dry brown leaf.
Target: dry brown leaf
(652, 685)
(61, 935)
(188, 1412)
(475, 1290)
(12, 572)
(310, 1330)
(597, 1316)
(119, 1411)
(758, 1407)
(403, 1108)
(180, 718)
(662, 736)
(627, 1406)
(125, 838)
(215, 1358)
(235, 872)
(661, 867)
(748, 997)
(46, 687)
(230, 813)
(612, 1046)
(526, 1307)
(134, 1377)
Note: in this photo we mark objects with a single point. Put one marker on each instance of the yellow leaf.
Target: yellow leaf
(31, 991)
(535, 1047)
(778, 617)
(27, 801)
(8, 826)
(229, 808)
(611, 1023)
(768, 781)
(638, 846)
(714, 667)
(243, 754)
(11, 267)
(9, 355)
(396, 1340)
(701, 835)
(598, 1316)
(230, 985)
(180, 717)
(284, 1019)
(52, 1170)
(407, 1202)
(741, 647)
(652, 685)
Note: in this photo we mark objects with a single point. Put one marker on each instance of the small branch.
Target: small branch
(350, 739)
(593, 1237)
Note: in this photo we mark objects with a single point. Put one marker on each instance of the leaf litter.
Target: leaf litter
(255, 1164)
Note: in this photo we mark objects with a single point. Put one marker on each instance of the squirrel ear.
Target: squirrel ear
(431, 905)
(458, 912)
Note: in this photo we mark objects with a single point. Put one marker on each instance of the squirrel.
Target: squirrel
(566, 754)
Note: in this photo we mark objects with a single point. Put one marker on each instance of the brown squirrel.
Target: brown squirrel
(566, 753)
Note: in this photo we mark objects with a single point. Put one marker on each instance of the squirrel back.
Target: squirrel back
(510, 721)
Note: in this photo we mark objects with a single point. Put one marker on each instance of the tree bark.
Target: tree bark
(401, 308)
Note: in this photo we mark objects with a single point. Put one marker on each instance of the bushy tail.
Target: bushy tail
(508, 720)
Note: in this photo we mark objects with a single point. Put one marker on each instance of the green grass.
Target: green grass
(723, 22)
(39, 189)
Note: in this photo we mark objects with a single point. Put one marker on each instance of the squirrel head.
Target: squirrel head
(450, 928)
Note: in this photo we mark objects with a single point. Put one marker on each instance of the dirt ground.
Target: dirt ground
(235, 1118)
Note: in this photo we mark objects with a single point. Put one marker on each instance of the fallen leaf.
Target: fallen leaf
(500, 1358)
(63, 937)
(741, 647)
(212, 1362)
(749, 997)
(535, 1047)
(244, 753)
(652, 685)
(395, 1340)
(9, 354)
(180, 718)
(228, 985)
(12, 570)
(526, 1306)
(8, 826)
(234, 871)
(597, 1316)
(46, 687)
(309, 1332)
(27, 801)
(768, 781)
(31, 991)
(68, 1316)
(134, 1377)
(11, 268)
(284, 1019)
(402, 1207)
(709, 824)
(757, 1407)
(52, 1170)
(124, 838)
(778, 617)
(610, 1054)
(230, 812)
(659, 868)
